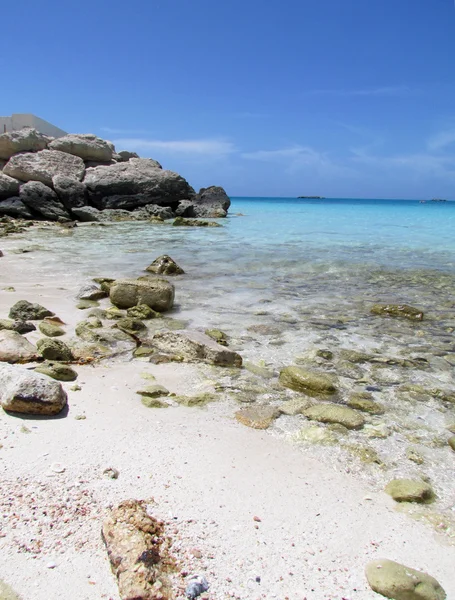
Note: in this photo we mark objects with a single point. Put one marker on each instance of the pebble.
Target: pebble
(58, 467)
(51, 565)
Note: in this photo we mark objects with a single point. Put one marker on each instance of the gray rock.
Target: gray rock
(154, 292)
(85, 145)
(27, 392)
(43, 200)
(211, 202)
(51, 349)
(14, 207)
(135, 183)
(195, 346)
(124, 156)
(87, 214)
(9, 187)
(25, 140)
(185, 209)
(165, 265)
(397, 582)
(44, 165)
(71, 192)
(16, 348)
(153, 210)
(24, 310)
(91, 292)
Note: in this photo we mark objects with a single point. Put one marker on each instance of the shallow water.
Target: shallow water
(289, 277)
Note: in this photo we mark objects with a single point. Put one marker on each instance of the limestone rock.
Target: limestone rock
(125, 155)
(398, 310)
(44, 165)
(14, 207)
(24, 391)
(181, 222)
(165, 265)
(138, 551)
(310, 382)
(334, 413)
(16, 348)
(24, 140)
(296, 406)
(185, 209)
(195, 346)
(24, 310)
(219, 336)
(397, 582)
(130, 325)
(257, 417)
(43, 200)
(365, 403)
(135, 183)
(154, 292)
(51, 349)
(142, 312)
(91, 292)
(211, 202)
(85, 145)
(107, 342)
(50, 329)
(409, 490)
(153, 391)
(70, 191)
(451, 442)
(153, 212)
(57, 371)
(8, 186)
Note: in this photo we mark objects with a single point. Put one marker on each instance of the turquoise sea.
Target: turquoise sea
(286, 278)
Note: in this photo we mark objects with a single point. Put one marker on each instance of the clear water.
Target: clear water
(285, 277)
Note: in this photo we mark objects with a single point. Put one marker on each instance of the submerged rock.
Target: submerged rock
(296, 406)
(409, 490)
(165, 265)
(257, 417)
(182, 222)
(24, 391)
(398, 310)
(24, 311)
(334, 413)
(397, 582)
(365, 403)
(311, 382)
(154, 292)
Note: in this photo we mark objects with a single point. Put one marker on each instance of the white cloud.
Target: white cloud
(393, 90)
(210, 147)
(421, 164)
(441, 140)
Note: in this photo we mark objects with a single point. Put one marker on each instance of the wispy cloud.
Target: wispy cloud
(441, 140)
(419, 164)
(299, 158)
(209, 147)
(393, 90)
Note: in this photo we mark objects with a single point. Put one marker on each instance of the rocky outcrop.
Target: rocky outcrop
(14, 207)
(211, 202)
(43, 201)
(9, 187)
(84, 175)
(135, 183)
(44, 165)
(84, 145)
(25, 140)
(24, 391)
(397, 582)
(154, 292)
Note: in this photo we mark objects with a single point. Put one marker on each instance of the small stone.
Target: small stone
(451, 442)
(368, 405)
(84, 304)
(257, 417)
(334, 413)
(91, 292)
(397, 582)
(51, 349)
(398, 310)
(415, 456)
(58, 467)
(409, 490)
(57, 371)
(310, 382)
(50, 329)
(296, 406)
(75, 388)
(153, 402)
(142, 312)
(153, 391)
(219, 336)
(51, 565)
(80, 417)
(111, 473)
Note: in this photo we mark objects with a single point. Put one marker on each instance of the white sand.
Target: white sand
(209, 477)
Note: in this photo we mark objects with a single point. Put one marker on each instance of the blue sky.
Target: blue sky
(352, 98)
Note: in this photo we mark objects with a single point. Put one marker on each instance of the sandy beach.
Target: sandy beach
(256, 516)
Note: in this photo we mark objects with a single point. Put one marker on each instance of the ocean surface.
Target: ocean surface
(285, 278)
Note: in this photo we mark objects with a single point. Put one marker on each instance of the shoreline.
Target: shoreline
(202, 467)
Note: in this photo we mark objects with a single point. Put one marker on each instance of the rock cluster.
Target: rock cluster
(79, 176)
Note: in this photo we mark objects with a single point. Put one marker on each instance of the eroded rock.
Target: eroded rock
(156, 293)
(27, 139)
(165, 265)
(44, 165)
(14, 348)
(410, 490)
(87, 146)
(257, 417)
(310, 382)
(398, 310)
(334, 413)
(24, 310)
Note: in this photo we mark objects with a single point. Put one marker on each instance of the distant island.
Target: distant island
(438, 200)
(312, 197)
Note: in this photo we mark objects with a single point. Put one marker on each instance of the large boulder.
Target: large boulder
(395, 581)
(25, 140)
(71, 192)
(195, 346)
(44, 165)
(135, 183)
(16, 348)
(85, 145)
(154, 292)
(43, 200)
(14, 207)
(87, 214)
(8, 186)
(211, 202)
(27, 392)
